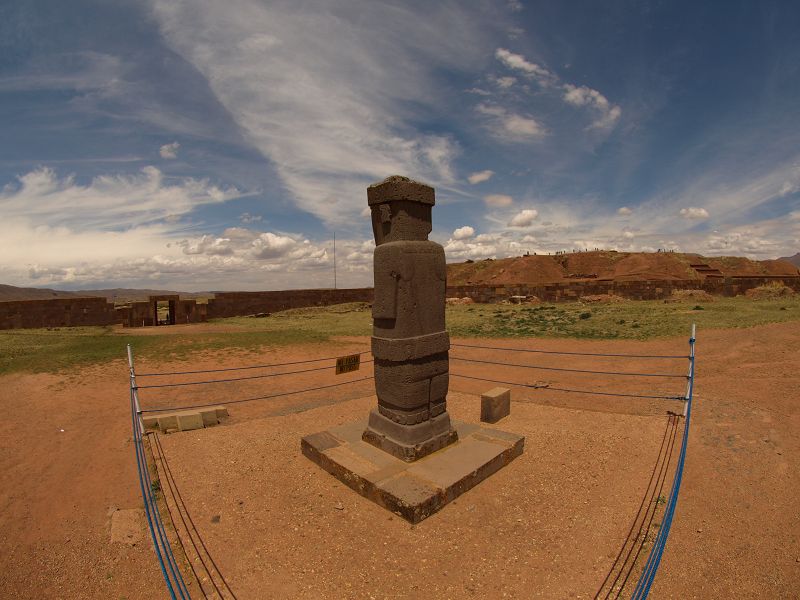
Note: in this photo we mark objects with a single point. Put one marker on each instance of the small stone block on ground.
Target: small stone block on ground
(209, 417)
(412, 490)
(187, 421)
(167, 421)
(495, 404)
(150, 421)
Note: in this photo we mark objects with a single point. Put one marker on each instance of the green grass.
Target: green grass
(639, 320)
(41, 350)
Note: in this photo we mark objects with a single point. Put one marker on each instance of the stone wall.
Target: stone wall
(56, 312)
(633, 290)
(232, 304)
(73, 312)
(143, 314)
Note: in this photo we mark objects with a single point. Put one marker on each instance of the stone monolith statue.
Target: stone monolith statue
(409, 341)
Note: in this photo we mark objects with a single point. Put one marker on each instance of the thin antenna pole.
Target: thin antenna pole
(334, 260)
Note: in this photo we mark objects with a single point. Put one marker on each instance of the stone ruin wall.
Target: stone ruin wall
(56, 312)
(632, 290)
(72, 312)
(234, 304)
(143, 313)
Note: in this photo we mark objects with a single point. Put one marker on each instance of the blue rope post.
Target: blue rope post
(654, 559)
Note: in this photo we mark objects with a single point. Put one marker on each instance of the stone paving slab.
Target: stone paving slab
(412, 490)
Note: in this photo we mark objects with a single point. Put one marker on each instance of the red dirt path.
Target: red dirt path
(549, 525)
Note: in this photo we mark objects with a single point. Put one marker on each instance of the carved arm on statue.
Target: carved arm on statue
(385, 304)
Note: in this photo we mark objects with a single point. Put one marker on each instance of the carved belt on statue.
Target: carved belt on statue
(410, 348)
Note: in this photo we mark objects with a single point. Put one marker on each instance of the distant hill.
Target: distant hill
(795, 260)
(610, 265)
(10, 293)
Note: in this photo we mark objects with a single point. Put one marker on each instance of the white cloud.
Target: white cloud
(520, 63)
(107, 202)
(608, 115)
(511, 127)
(480, 176)
(169, 150)
(505, 82)
(207, 244)
(788, 188)
(693, 212)
(628, 235)
(463, 233)
(498, 200)
(248, 218)
(624, 211)
(524, 218)
(319, 91)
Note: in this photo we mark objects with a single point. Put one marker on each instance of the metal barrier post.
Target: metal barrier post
(135, 392)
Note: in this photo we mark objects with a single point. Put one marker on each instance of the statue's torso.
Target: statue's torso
(410, 287)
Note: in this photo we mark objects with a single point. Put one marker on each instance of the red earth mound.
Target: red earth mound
(620, 266)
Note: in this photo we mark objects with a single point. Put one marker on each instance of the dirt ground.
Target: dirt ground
(549, 525)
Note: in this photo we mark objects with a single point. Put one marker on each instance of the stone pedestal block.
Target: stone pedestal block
(412, 490)
(495, 404)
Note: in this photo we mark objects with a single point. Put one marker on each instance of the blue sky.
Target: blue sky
(200, 144)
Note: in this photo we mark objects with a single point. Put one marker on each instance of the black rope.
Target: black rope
(669, 428)
(156, 457)
(177, 492)
(557, 389)
(624, 373)
(286, 364)
(565, 353)
(166, 385)
(226, 402)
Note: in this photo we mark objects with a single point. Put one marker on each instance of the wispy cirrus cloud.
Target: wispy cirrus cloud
(509, 126)
(607, 114)
(314, 91)
(480, 176)
(106, 202)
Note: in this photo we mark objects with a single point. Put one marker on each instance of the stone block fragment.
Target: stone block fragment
(495, 404)
(188, 421)
(167, 421)
(150, 421)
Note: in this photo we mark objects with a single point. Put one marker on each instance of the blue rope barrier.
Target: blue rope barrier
(654, 559)
(147, 505)
(231, 379)
(171, 563)
(565, 353)
(622, 373)
(157, 531)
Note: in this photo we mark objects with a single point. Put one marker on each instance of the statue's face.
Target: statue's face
(381, 223)
(400, 220)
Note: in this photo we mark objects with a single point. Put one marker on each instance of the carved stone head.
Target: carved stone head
(401, 209)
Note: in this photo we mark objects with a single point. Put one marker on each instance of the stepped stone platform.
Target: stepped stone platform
(414, 490)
